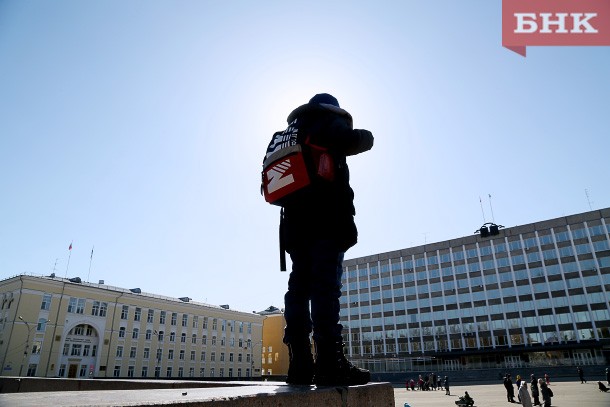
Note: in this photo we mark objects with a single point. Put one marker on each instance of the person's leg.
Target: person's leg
(298, 319)
(331, 367)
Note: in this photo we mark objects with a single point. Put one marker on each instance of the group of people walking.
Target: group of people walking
(541, 393)
(428, 382)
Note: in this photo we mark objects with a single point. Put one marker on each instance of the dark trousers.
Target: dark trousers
(316, 278)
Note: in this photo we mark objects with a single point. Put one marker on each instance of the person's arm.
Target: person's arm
(347, 141)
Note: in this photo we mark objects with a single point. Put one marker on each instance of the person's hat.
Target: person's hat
(324, 99)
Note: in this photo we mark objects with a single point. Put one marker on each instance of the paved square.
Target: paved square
(567, 394)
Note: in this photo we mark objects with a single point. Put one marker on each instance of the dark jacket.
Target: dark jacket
(327, 210)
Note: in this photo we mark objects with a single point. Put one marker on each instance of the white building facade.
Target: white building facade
(531, 295)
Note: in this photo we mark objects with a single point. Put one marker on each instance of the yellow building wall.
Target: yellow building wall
(22, 296)
(275, 356)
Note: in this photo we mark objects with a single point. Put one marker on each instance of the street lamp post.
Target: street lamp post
(157, 356)
(251, 346)
(27, 344)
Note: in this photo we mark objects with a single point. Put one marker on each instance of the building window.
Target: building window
(31, 370)
(221, 372)
(124, 311)
(103, 309)
(78, 330)
(162, 317)
(181, 356)
(83, 371)
(72, 304)
(135, 333)
(214, 324)
(172, 337)
(203, 356)
(202, 372)
(133, 352)
(46, 302)
(36, 347)
(174, 318)
(80, 306)
(159, 354)
(205, 323)
(151, 315)
(230, 372)
(95, 309)
(212, 356)
(204, 340)
(180, 371)
(146, 354)
(169, 372)
(230, 357)
(42, 325)
(195, 321)
(212, 372)
(170, 354)
(192, 355)
(222, 356)
(192, 372)
(76, 350)
(119, 351)
(213, 341)
(239, 372)
(194, 338)
(62, 370)
(122, 332)
(86, 350)
(160, 336)
(223, 325)
(148, 335)
(183, 338)
(117, 371)
(184, 319)
(94, 351)
(144, 371)
(138, 314)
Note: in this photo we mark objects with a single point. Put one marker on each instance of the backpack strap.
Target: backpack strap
(282, 242)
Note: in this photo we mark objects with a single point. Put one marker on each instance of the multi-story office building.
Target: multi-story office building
(56, 327)
(531, 295)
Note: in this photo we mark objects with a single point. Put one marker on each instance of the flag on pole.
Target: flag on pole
(70, 248)
(92, 252)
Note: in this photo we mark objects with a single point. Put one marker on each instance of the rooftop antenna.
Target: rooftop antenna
(54, 266)
(492, 209)
(482, 211)
(588, 199)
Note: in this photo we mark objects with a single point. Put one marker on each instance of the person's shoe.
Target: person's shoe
(333, 369)
(300, 369)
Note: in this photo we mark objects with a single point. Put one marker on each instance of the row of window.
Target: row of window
(83, 371)
(133, 352)
(378, 346)
(498, 248)
(232, 341)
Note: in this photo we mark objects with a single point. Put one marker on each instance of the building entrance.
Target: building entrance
(72, 371)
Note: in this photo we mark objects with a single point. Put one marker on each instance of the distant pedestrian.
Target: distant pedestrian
(581, 375)
(447, 393)
(510, 390)
(433, 376)
(547, 379)
(524, 395)
(535, 392)
(608, 376)
(518, 383)
(546, 392)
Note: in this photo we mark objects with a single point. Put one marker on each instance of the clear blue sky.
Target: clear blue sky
(138, 127)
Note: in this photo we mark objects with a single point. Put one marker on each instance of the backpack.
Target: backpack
(293, 165)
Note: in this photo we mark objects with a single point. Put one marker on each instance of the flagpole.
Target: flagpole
(69, 255)
(90, 260)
